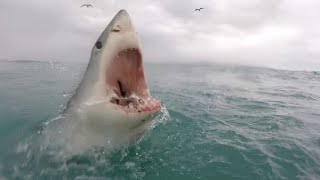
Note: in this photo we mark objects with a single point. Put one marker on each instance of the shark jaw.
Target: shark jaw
(113, 93)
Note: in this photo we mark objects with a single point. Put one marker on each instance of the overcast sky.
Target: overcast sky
(273, 33)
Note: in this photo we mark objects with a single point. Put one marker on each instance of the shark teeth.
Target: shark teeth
(130, 105)
(150, 106)
(133, 104)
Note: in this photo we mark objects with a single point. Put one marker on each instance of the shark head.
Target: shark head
(113, 91)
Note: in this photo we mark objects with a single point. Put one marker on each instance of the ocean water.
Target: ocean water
(217, 122)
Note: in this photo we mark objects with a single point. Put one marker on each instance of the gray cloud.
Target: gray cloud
(272, 33)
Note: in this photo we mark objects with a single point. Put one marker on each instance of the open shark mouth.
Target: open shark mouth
(126, 78)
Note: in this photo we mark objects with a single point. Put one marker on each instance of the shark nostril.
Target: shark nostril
(98, 45)
(122, 91)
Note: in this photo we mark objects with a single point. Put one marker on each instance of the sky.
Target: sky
(271, 33)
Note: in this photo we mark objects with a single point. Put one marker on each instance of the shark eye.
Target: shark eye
(99, 45)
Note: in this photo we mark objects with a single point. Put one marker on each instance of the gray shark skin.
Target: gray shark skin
(113, 93)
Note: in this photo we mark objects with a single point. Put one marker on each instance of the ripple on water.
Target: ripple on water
(218, 123)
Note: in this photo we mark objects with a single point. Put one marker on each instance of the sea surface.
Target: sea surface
(217, 122)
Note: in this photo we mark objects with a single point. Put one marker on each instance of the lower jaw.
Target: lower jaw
(150, 108)
(136, 105)
(105, 115)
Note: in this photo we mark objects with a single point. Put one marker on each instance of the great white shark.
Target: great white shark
(113, 94)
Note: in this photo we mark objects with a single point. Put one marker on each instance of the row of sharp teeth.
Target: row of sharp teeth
(135, 104)
(129, 102)
(149, 107)
(118, 55)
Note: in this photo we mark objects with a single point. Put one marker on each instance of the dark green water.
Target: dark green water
(219, 122)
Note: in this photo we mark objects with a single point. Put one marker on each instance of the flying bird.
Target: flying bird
(87, 5)
(198, 9)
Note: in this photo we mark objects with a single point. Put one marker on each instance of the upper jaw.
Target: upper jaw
(122, 67)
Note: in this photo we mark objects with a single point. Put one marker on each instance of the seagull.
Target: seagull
(88, 5)
(198, 9)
